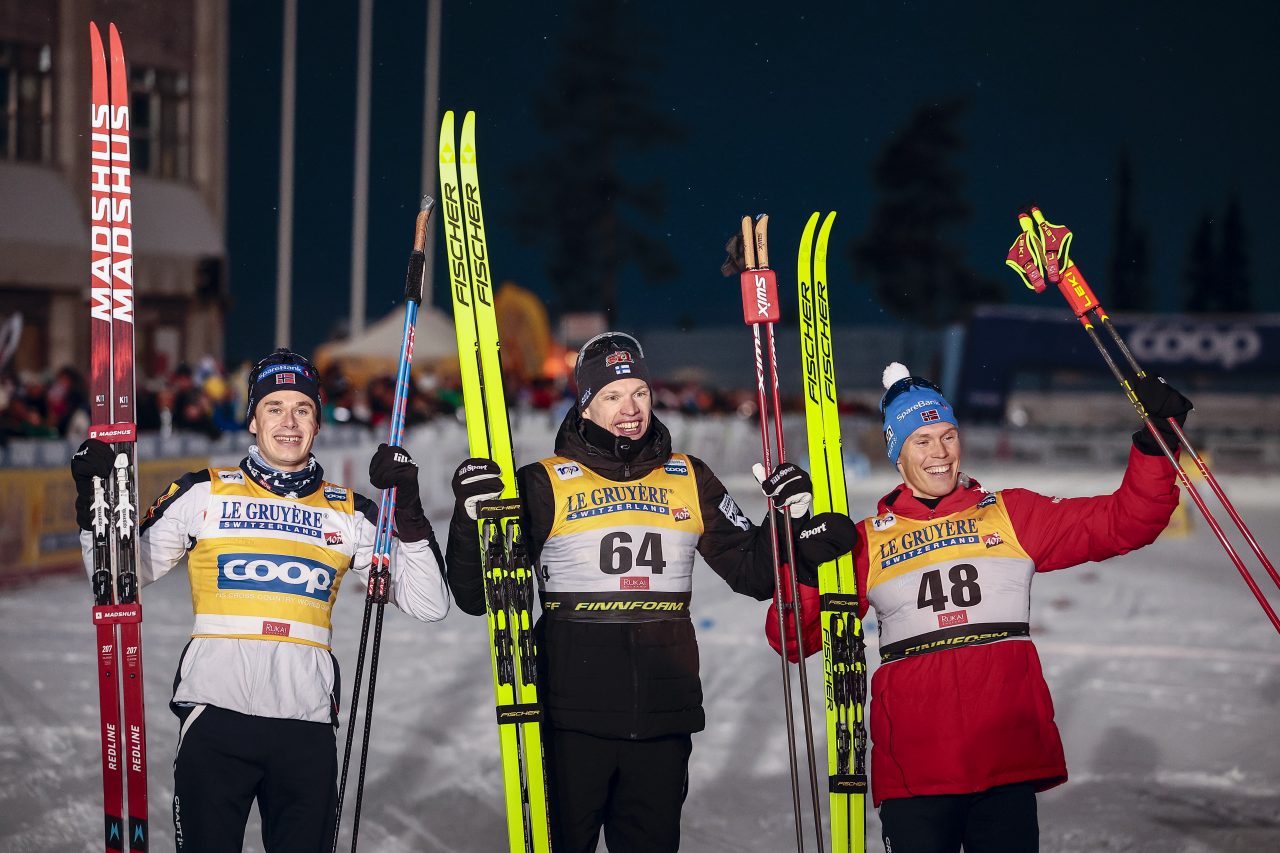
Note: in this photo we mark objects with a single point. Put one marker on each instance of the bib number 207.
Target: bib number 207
(965, 591)
(617, 556)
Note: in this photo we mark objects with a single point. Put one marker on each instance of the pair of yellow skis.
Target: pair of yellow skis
(844, 660)
(508, 581)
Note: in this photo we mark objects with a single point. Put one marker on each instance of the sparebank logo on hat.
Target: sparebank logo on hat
(280, 371)
(275, 573)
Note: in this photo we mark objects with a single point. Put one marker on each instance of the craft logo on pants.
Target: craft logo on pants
(275, 573)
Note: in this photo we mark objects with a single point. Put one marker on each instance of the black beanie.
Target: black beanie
(606, 358)
(283, 371)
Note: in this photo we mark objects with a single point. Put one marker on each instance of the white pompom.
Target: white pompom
(893, 373)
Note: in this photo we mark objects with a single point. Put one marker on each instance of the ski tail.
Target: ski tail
(508, 577)
(844, 658)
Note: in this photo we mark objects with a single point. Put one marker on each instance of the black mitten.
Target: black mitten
(1162, 401)
(93, 459)
(822, 539)
(476, 480)
(392, 466)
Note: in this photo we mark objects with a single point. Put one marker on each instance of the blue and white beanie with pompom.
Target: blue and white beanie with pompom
(909, 402)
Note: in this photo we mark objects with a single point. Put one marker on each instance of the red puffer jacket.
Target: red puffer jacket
(971, 717)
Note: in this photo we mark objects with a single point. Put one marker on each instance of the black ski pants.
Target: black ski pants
(227, 759)
(634, 789)
(998, 820)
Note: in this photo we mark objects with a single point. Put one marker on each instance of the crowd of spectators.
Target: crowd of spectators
(207, 399)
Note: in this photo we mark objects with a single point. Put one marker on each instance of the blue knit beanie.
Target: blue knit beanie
(910, 402)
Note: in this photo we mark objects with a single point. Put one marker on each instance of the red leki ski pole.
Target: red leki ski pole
(1041, 253)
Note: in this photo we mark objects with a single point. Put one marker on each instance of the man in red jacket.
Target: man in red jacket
(961, 719)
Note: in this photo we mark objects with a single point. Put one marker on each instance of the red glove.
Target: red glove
(811, 623)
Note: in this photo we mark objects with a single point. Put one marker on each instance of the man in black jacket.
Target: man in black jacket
(612, 523)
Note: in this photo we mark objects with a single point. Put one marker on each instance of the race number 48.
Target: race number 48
(617, 557)
(965, 591)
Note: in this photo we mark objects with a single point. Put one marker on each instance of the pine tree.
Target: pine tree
(913, 251)
(575, 198)
(1234, 288)
(1201, 273)
(1130, 285)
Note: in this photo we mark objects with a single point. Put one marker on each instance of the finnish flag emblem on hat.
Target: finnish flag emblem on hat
(620, 369)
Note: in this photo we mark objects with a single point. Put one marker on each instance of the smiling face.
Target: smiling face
(930, 460)
(285, 424)
(622, 407)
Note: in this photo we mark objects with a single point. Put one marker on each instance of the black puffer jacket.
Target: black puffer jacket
(618, 679)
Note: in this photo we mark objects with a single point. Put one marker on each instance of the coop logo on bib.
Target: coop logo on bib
(274, 573)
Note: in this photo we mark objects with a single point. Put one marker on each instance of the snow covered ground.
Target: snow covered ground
(1165, 674)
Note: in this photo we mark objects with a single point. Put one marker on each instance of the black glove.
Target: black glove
(93, 459)
(821, 539)
(476, 480)
(788, 486)
(1162, 401)
(392, 466)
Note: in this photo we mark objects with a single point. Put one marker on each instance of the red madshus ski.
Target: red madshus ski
(115, 517)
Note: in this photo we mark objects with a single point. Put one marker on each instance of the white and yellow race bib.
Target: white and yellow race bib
(621, 551)
(945, 583)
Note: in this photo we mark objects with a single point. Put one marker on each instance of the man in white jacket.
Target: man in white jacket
(267, 545)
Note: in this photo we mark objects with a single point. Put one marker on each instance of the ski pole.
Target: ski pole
(762, 260)
(1050, 245)
(380, 567)
(760, 307)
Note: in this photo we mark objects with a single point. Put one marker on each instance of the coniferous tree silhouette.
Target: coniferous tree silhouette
(1130, 284)
(574, 196)
(1234, 287)
(1200, 276)
(913, 251)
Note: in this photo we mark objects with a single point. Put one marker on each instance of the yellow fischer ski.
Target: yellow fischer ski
(508, 580)
(843, 654)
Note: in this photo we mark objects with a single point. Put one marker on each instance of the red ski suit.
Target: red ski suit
(953, 713)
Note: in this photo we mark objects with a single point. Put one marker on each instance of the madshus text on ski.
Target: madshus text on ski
(593, 547)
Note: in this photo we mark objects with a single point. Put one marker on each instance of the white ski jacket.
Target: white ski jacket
(265, 570)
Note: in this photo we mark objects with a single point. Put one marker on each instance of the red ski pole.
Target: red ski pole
(760, 308)
(1050, 245)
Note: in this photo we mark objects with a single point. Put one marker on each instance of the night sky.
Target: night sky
(786, 107)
